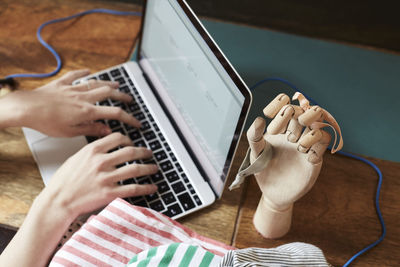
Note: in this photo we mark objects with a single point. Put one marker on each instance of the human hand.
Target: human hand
(298, 146)
(89, 179)
(60, 109)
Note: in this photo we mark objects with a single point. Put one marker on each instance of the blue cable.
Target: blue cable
(378, 171)
(51, 49)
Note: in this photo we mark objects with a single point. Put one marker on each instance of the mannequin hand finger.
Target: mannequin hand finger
(128, 153)
(281, 120)
(105, 92)
(109, 142)
(294, 128)
(255, 136)
(94, 84)
(132, 170)
(311, 115)
(71, 76)
(275, 105)
(115, 113)
(318, 149)
(306, 141)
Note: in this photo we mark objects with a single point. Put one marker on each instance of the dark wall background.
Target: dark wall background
(372, 23)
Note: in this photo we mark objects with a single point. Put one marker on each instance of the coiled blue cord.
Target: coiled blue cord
(378, 171)
(51, 49)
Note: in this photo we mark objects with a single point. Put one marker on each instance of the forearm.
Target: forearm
(11, 110)
(38, 236)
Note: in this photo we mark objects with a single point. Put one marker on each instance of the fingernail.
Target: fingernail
(105, 131)
(115, 84)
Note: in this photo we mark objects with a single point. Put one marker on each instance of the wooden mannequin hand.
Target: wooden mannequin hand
(296, 161)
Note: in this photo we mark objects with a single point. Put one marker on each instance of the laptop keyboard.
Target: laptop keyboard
(175, 193)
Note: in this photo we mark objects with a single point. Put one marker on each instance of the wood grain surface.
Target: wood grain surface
(337, 215)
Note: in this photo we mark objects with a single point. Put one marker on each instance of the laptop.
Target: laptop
(192, 105)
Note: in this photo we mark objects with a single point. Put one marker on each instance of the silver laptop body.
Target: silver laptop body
(191, 100)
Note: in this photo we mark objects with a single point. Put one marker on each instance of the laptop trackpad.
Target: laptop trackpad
(50, 153)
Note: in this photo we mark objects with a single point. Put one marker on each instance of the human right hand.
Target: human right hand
(60, 109)
(89, 179)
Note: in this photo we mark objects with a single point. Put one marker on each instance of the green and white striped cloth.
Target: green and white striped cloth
(175, 254)
(184, 255)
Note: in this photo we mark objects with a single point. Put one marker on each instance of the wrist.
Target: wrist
(270, 221)
(49, 203)
(13, 110)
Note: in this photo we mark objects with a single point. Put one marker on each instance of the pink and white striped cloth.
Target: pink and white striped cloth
(120, 231)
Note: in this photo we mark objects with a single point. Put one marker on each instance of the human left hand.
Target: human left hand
(60, 109)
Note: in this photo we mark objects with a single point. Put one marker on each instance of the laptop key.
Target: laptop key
(144, 181)
(160, 156)
(173, 210)
(104, 77)
(157, 177)
(178, 187)
(141, 203)
(197, 199)
(140, 116)
(118, 130)
(168, 198)
(185, 179)
(115, 73)
(114, 123)
(129, 181)
(125, 89)
(134, 135)
(145, 126)
(166, 166)
(120, 80)
(151, 197)
(155, 145)
(150, 135)
(140, 143)
(157, 205)
(125, 73)
(172, 176)
(133, 107)
(186, 201)
(163, 187)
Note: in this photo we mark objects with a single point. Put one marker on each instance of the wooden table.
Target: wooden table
(337, 215)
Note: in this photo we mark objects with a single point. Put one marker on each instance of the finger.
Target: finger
(128, 153)
(94, 84)
(132, 190)
(294, 128)
(255, 136)
(91, 129)
(275, 105)
(309, 139)
(311, 115)
(317, 150)
(281, 120)
(105, 92)
(71, 76)
(115, 113)
(132, 170)
(109, 142)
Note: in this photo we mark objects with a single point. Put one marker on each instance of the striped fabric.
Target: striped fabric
(176, 254)
(293, 254)
(121, 231)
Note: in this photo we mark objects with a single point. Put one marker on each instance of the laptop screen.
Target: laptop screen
(209, 102)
